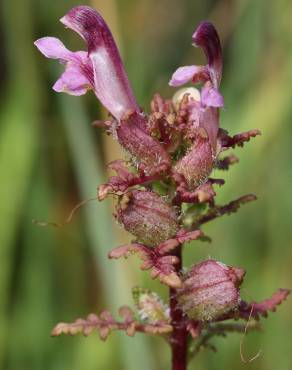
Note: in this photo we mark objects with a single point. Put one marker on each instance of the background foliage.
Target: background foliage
(51, 158)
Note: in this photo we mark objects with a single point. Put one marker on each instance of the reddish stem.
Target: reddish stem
(179, 335)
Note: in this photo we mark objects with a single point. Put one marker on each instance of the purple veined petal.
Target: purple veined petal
(72, 82)
(189, 73)
(207, 38)
(211, 97)
(111, 84)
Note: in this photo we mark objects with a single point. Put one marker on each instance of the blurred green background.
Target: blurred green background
(51, 158)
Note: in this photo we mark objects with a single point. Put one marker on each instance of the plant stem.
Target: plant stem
(179, 335)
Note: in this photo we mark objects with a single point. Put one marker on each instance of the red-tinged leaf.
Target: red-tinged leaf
(159, 328)
(106, 316)
(104, 332)
(131, 329)
(186, 237)
(129, 249)
(172, 280)
(147, 264)
(183, 236)
(227, 209)
(256, 310)
(125, 179)
(227, 141)
(219, 182)
(168, 260)
(78, 327)
(63, 328)
(203, 194)
(126, 313)
(105, 324)
(167, 246)
(161, 266)
(225, 163)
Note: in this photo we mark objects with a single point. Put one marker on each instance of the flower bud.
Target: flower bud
(210, 290)
(192, 92)
(147, 216)
(150, 306)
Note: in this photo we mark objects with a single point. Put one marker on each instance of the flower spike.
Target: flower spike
(164, 190)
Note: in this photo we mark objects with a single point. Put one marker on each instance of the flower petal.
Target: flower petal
(185, 74)
(207, 38)
(211, 97)
(53, 48)
(78, 76)
(111, 84)
(72, 82)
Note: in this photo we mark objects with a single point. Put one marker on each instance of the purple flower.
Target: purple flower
(203, 123)
(207, 38)
(100, 69)
(78, 76)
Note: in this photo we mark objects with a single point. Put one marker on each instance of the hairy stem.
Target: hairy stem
(179, 335)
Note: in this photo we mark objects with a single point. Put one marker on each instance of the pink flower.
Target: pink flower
(206, 111)
(99, 69)
(207, 38)
(194, 168)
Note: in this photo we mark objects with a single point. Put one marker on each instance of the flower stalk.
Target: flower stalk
(164, 189)
(179, 336)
